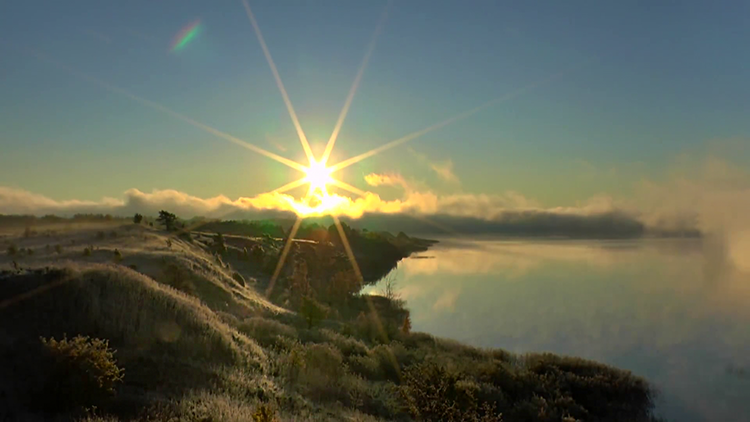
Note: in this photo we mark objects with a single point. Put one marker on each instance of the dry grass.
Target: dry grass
(199, 343)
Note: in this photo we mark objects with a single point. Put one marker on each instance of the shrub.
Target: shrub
(388, 361)
(265, 413)
(347, 345)
(238, 278)
(175, 276)
(266, 331)
(137, 218)
(169, 243)
(117, 255)
(79, 372)
(432, 392)
(58, 248)
(322, 373)
(12, 250)
(113, 234)
(605, 392)
(372, 327)
(86, 251)
(100, 235)
(30, 251)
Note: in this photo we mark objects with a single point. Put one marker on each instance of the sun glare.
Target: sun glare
(318, 176)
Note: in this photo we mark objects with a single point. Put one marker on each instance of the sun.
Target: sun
(318, 176)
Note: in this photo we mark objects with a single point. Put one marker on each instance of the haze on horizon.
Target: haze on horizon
(606, 108)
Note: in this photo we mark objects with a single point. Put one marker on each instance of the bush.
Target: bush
(117, 255)
(432, 392)
(58, 248)
(79, 372)
(175, 276)
(323, 371)
(266, 331)
(86, 251)
(30, 251)
(12, 250)
(137, 219)
(604, 392)
(265, 413)
(347, 345)
(100, 235)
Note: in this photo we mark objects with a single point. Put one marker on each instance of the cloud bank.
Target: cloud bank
(714, 200)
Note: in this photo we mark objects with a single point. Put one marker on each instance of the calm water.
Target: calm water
(674, 311)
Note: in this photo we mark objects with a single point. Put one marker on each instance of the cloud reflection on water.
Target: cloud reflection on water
(675, 311)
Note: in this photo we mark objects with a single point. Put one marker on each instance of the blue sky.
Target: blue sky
(660, 78)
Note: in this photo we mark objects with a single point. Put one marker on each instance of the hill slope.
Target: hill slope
(199, 340)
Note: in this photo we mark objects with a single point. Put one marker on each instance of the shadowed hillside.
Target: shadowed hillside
(112, 320)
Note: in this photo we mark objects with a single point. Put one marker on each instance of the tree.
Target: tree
(342, 286)
(406, 327)
(312, 311)
(167, 219)
(137, 218)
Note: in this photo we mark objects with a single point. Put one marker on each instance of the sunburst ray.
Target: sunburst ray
(159, 107)
(284, 253)
(353, 160)
(368, 299)
(291, 185)
(279, 83)
(355, 84)
(347, 187)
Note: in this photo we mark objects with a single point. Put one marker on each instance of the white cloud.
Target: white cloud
(711, 195)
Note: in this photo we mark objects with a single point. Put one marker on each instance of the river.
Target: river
(676, 312)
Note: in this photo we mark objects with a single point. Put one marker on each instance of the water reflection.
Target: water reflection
(675, 311)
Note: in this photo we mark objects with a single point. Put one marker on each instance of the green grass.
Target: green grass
(197, 345)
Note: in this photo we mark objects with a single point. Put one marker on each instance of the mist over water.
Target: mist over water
(674, 311)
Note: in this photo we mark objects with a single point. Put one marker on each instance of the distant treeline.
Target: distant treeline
(14, 220)
(606, 225)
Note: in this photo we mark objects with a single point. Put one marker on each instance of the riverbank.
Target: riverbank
(200, 333)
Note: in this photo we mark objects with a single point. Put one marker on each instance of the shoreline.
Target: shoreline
(181, 309)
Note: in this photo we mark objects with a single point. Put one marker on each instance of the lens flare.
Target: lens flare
(186, 35)
(318, 176)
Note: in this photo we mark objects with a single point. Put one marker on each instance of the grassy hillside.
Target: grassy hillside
(190, 330)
